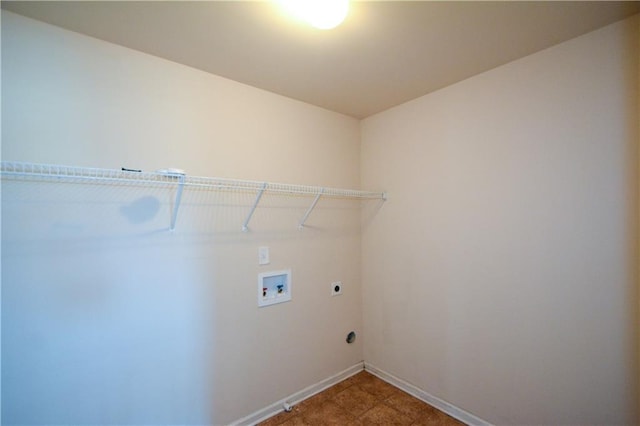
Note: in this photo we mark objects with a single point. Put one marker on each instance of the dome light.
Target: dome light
(321, 14)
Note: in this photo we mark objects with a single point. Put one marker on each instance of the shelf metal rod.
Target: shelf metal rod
(310, 209)
(245, 225)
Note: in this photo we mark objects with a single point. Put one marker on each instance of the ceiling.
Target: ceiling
(384, 54)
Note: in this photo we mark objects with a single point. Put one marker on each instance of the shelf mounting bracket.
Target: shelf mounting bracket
(310, 209)
(245, 225)
(176, 205)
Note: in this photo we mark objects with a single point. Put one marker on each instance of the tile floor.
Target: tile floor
(362, 400)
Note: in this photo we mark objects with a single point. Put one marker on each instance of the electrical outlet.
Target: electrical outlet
(336, 288)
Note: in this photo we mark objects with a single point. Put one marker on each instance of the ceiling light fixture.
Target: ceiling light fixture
(321, 14)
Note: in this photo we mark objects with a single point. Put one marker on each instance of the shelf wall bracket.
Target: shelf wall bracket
(310, 209)
(245, 225)
(176, 205)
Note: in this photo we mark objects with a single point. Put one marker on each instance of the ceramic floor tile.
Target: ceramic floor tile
(362, 400)
(356, 400)
(327, 413)
(276, 420)
(334, 390)
(376, 387)
(355, 379)
(315, 400)
(295, 421)
(382, 414)
(406, 404)
(285, 419)
(431, 416)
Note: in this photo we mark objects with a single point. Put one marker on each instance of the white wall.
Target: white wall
(501, 275)
(107, 317)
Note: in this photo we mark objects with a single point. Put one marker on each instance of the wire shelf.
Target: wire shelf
(34, 171)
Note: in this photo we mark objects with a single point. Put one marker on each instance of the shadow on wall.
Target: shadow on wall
(141, 210)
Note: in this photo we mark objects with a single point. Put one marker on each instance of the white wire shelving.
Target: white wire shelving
(179, 180)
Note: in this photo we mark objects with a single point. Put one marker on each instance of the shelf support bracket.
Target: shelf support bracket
(176, 205)
(245, 225)
(310, 209)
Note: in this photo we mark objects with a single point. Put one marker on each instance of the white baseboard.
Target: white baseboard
(441, 405)
(277, 407)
